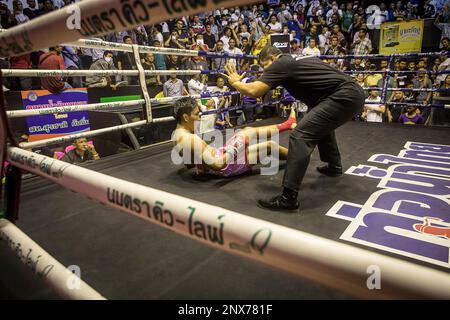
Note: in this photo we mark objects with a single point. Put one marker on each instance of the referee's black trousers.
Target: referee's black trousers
(317, 128)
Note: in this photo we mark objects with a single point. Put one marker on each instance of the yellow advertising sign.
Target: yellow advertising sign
(401, 37)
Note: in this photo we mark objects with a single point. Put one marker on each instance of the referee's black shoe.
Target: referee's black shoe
(279, 203)
(330, 170)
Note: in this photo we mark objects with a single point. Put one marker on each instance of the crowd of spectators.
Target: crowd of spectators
(315, 27)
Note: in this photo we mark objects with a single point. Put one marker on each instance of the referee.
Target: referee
(333, 98)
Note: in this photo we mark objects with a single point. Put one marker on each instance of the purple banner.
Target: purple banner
(60, 124)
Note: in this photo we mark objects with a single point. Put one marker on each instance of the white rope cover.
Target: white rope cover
(93, 17)
(44, 265)
(328, 262)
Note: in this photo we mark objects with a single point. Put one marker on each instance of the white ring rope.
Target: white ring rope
(87, 134)
(108, 105)
(105, 45)
(328, 262)
(100, 73)
(44, 265)
(65, 109)
(92, 18)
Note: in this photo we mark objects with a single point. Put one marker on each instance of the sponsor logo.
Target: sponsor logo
(280, 44)
(410, 213)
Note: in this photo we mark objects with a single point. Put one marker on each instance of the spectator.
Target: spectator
(323, 39)
(347, 18)
(72, 62)
(223, 117)
(209, 38)
(7, 20)
(149, 64)
(21, 62)
(360, 79)
(358, 23)
(32, 11)
(88, 55)
(401, 77)
(159, 60)
(373, 78)
(333, 15)
(18, 12)
(227, 35)
(157, 34)
(244, 34)
(191, 38)
(312, 34)
(208, 121)
(221, 88)
(219, 62)
(181, 36)
(82, 151)
(126, 61)
(410, 96)
(141, 36)
(334, 21)
(314, 19)
(284, 14)
(445, 44)
(262, 42)
(197, 25)
(275, 26)
(443, 25)
(105, 63)
(294, 25)
(295, 47)
(333, 49)
(248, 105)
(47, 8)
(233, 50)
(394, 111)
(174, 42)
(373, 112)
(411, 115)
(165, 30)
(246, 48)
(173, 62)
(429, 10)
(311, 49)
(363, 45)
(357, 65)
(174, 87)
(399, 12)
(53, 60)
(197, 86)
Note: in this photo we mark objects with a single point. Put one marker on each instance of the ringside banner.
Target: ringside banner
(92, 17)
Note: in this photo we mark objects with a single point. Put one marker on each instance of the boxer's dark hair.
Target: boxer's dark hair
(184, 106)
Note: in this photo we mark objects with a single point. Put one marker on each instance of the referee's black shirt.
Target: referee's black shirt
(308, 79)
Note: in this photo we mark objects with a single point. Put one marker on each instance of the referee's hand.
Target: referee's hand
(232, 76)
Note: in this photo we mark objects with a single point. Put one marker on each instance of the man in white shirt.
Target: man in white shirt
(195, 86)
(222, 88)
(323, 39)
(234, 50)
(374, 112)
(275, 26)
(311, 49)
(208, 121)
(226, 38)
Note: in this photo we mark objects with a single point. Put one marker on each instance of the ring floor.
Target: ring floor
(124, 257)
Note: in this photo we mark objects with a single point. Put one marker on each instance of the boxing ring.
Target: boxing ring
(153, 262)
